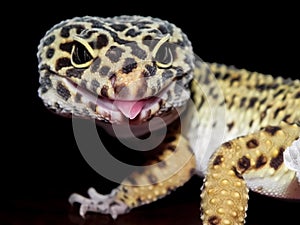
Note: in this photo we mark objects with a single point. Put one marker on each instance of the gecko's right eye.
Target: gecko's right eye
(82, 54)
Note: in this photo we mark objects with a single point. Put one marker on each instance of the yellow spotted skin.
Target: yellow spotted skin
(233, 127)
(175, 166)
(225, 194)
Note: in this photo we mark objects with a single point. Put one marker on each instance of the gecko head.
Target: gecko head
(115, 70)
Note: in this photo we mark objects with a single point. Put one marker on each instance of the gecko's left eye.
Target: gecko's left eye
(81, 55)
(162, 53)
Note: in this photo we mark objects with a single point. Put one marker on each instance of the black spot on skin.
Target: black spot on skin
(226, 76)
(65, 31)
(230, 126)
(95, 23)
(45, 82)
(163, 29)
(218, 160)
(136, 50)
(251, 123)
(232, 101)
(262, 116)
(252, 102)
(214, 220)
(235, 79)
(278, 160)
(122, 90)
(104, 70)
(101, 42)
(199, 106)
(272, 130)
(263, 101)
(167, 74)
(66, 47)
(129, 65)
(56, 105)
(263, 87)
(211, 91)
(63, 91)
(253, 143)
(260, 161)
(104, 91)
(132, 33)
(152, 179)
(118, 27)
(62, 62)
(74, 72)
(94, 85)
(147, 40)
(278, 93)
(236, 172)
(50, 53)
(124, 189)
(286, 118)
(151, 70)
(171, 147)
(49, 40)
(217, 75)
(95, 65)
(215, 96)
(115, 37)
(244, 164)
(179, 72)
(278, 110)
(114, 53)
(227, 144)
(44, 67)
(242, 103)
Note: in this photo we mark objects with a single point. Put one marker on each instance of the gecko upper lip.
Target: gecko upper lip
(114, 109)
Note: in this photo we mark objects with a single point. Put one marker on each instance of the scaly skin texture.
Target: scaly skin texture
(225, 194)
(131, 70)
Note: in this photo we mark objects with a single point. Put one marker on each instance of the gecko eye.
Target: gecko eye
(81, 55)
(162, 53)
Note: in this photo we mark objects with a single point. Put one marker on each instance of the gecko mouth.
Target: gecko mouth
(118, 111)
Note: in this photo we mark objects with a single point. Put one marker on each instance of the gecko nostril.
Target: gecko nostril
(129, 65)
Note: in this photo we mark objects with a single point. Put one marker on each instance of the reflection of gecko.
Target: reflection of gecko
(134, 69)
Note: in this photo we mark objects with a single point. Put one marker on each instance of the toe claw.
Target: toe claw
(76, 198)
(106, 204)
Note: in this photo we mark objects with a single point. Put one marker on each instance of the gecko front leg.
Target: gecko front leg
(170, 170)
(255, 161)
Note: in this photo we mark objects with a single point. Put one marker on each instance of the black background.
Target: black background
(41, 161)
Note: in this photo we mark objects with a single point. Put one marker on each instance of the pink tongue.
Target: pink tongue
(130, 108)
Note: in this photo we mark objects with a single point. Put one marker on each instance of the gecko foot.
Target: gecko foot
(106, 204)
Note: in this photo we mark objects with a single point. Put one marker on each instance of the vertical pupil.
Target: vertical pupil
(163, 54)
(80, 54)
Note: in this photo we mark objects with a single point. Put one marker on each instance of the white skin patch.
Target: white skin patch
(292, 158)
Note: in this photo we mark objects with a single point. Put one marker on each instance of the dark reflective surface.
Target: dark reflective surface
(179, 208)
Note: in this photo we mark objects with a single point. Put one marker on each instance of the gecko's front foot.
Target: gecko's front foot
(105, 204)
